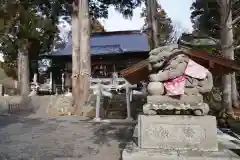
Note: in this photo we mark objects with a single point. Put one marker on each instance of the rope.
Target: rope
(81, 74)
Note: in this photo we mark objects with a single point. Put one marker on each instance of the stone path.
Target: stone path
(26, 137)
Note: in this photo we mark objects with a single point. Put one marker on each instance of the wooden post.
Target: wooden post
(63, 83)
(98, 102)
(56, 91)
(85, 55)
(35, 78)
(51, 82)
(129, 117)
(35, 82)
(1, 90)
(114, 78)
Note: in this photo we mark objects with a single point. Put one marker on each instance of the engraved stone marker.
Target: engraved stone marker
(178, 132)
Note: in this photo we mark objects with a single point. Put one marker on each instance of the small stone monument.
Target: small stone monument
(1, 90)
(175, 124)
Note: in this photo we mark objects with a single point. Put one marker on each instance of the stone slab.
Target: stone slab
(172, 109)
(132, 152)
(177, 132)
(184, 99)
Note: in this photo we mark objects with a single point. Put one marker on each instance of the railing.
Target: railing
(102, 87)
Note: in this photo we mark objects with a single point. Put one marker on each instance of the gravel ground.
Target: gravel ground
(25, 137)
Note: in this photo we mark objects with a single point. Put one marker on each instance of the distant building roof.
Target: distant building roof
(112, 43)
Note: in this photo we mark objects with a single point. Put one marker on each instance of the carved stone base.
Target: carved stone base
(168, 109)
(184, 99)
(176, 138)
(132, 152)
(186, 105)
(177, 132)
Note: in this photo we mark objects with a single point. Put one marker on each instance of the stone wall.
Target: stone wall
(41, 104)
(54, 105)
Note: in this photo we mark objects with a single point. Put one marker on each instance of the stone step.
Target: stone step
(132, 152)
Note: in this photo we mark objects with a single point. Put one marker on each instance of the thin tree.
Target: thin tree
(213, 18)
(159, 25)
(75, 55)
(227, 47)
(81, 42)
(153, 33)
(84, 57)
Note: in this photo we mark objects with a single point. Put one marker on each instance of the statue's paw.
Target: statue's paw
(147, 110)
(155, 88)
(150, 112)
(198, 112)
(153, 77)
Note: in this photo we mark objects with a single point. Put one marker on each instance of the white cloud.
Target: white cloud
(116, 22)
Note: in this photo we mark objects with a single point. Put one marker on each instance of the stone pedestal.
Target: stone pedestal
(187, 105)
(176, 137)
(177, 132)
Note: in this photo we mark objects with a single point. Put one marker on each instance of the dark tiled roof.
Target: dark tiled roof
(113, 43)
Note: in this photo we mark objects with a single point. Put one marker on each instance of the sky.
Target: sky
(177, 10)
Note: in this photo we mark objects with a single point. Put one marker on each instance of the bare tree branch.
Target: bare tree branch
(236, 20)
(237, 47)
(236, 11)
(219, 3)
(228, 9)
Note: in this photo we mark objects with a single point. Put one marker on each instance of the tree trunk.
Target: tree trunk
(75, 56)
(154, 23)
(151, 6)
(227, 98)
(85, 54)
(19, 72)
(149, 23)
(227, 50)
(25, 83)
(234, 92)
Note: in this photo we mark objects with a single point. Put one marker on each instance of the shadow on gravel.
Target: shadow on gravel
(122, 133)
(19, 114)
(21, 117)
(61, 137)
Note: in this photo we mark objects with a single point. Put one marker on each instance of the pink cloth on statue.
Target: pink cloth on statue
(195, 70)
(177, 85)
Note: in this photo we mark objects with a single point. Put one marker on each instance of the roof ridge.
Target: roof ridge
(117, 33)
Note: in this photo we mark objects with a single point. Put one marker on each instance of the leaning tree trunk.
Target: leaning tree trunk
(227, 50)
(154, 23)
(75, 56)
(234, 92)
(85, 55)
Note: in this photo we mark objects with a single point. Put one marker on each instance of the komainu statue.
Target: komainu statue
(176, 83)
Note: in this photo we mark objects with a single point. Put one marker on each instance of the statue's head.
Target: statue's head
(160, 55)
